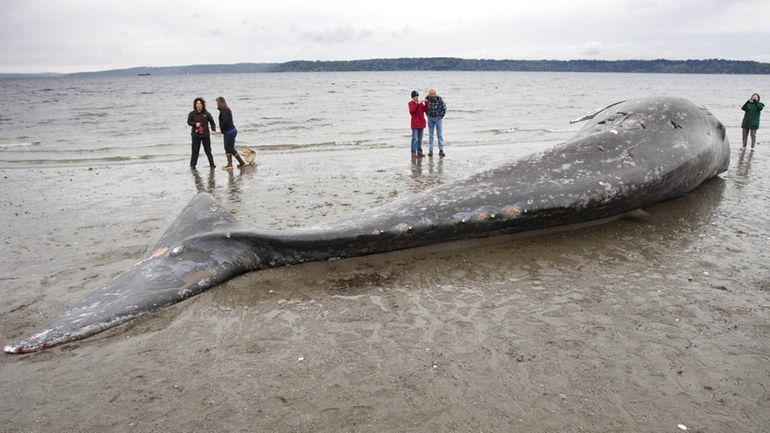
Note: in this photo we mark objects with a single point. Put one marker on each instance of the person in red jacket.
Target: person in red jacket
(417, 109)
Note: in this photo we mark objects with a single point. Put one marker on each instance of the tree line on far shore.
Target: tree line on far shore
(660, 66)
(709, 66)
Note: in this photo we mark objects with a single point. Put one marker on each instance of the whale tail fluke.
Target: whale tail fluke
(191, 256)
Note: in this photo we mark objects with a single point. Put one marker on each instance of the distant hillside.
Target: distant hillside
(661, 66)
(710, 66)
(241, 68)
(31, 75)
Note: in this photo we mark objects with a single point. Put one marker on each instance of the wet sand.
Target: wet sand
(637, 324)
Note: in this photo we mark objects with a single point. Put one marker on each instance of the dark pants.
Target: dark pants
(745, 136)
(229, 138)
(196, 148)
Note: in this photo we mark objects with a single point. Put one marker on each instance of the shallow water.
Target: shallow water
(336, 120)
(100, 121)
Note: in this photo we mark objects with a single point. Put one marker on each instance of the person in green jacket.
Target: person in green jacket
(750, 123)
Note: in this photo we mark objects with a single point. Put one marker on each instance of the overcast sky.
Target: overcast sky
(87, 35)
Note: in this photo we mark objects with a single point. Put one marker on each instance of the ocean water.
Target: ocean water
(108, 121)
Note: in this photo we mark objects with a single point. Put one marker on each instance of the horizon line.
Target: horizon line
(127, 68)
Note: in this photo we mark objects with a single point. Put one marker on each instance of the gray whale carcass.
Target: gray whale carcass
(630, 155)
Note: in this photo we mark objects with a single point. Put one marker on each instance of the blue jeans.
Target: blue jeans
(229, 138)
(417, 140)
(438, 123)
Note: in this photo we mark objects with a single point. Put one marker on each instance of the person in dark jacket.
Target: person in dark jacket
(200, 119)
(229, 132)
(436, 110)
(750, 123)
(417, 111)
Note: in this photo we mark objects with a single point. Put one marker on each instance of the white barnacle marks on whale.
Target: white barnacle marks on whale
(402, 228)
(483, 215)
(479, 215)
(610, 191)
(487, 214)
(461, 217)
(512, 212)
(194, 281)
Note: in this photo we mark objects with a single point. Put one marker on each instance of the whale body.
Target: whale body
(629, 155)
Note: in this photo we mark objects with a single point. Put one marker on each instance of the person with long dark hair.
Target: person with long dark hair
(200, 119)
(227, 126)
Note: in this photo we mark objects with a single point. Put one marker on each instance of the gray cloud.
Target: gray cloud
(402, 33)
(41, 35)
(592, 48)
(337, 35)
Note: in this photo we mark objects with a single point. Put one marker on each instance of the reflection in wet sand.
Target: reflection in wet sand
(416, 167)
(438, 167)
(743, 168)
(211, 185)
(234, 182)
(432, 179)
(679, 221)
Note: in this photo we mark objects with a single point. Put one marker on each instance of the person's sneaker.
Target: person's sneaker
(430, 154)
(421, 155)
(441, 153)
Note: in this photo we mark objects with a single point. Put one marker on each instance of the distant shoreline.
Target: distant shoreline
(659, 66)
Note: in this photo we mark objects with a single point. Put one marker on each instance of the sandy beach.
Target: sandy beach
(638, 324)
